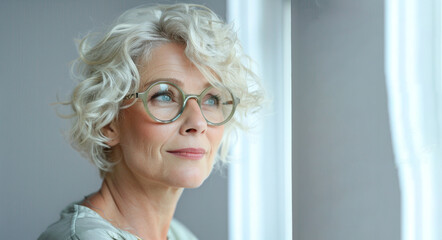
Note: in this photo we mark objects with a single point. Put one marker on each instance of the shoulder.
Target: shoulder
(178, 231)
(81, 223)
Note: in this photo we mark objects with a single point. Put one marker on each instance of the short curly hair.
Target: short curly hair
(107, 69)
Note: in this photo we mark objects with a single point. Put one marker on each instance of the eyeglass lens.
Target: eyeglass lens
(164, 102)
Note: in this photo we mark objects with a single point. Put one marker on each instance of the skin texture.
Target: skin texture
(141, 194)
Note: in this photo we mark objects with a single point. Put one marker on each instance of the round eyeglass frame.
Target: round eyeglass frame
(186, 97)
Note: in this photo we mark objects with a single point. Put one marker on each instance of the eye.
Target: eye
(211, 100)
(163, 96)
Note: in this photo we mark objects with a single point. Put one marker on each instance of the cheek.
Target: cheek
(139, 133)
(215, 136)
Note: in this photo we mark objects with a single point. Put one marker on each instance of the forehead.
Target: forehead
(168, 61)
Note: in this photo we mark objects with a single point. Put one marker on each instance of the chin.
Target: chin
(191, 178)
(191, 185)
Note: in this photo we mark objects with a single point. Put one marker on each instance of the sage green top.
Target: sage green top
(78, 222)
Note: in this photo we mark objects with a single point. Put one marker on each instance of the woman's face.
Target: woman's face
(178, 154)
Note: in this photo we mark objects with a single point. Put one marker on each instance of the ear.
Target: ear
(111, 132)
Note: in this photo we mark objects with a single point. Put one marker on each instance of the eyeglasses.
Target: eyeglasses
(165, 102)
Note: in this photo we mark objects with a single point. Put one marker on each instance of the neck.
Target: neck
(144, 209)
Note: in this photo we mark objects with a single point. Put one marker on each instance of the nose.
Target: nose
(194, 121)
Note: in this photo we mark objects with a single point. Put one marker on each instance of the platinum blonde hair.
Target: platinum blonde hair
(107, 69)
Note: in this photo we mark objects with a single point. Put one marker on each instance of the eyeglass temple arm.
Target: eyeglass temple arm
(237, 100)
(130, 96)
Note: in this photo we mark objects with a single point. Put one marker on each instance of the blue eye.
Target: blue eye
(212, 101)
(162, 97)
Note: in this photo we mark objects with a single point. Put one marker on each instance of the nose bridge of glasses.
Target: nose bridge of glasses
(190, 96)
(197, 107)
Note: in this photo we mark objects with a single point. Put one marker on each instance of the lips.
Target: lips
(189, 153)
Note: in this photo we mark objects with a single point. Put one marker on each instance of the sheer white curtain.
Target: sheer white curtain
(413, 72)
(260, 180)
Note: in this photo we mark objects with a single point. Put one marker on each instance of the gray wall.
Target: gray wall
(39, 172)
(344, 178)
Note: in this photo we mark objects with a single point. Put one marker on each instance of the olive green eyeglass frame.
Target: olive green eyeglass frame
(186, 97)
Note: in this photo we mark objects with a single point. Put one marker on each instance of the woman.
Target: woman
(157, 95)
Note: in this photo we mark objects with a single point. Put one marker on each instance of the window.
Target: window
(260, 180)
(414, 84)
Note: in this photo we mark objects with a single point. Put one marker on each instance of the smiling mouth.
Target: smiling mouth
(189, 153)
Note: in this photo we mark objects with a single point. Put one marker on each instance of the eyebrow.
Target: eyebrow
(175, 81)
(172, 80)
